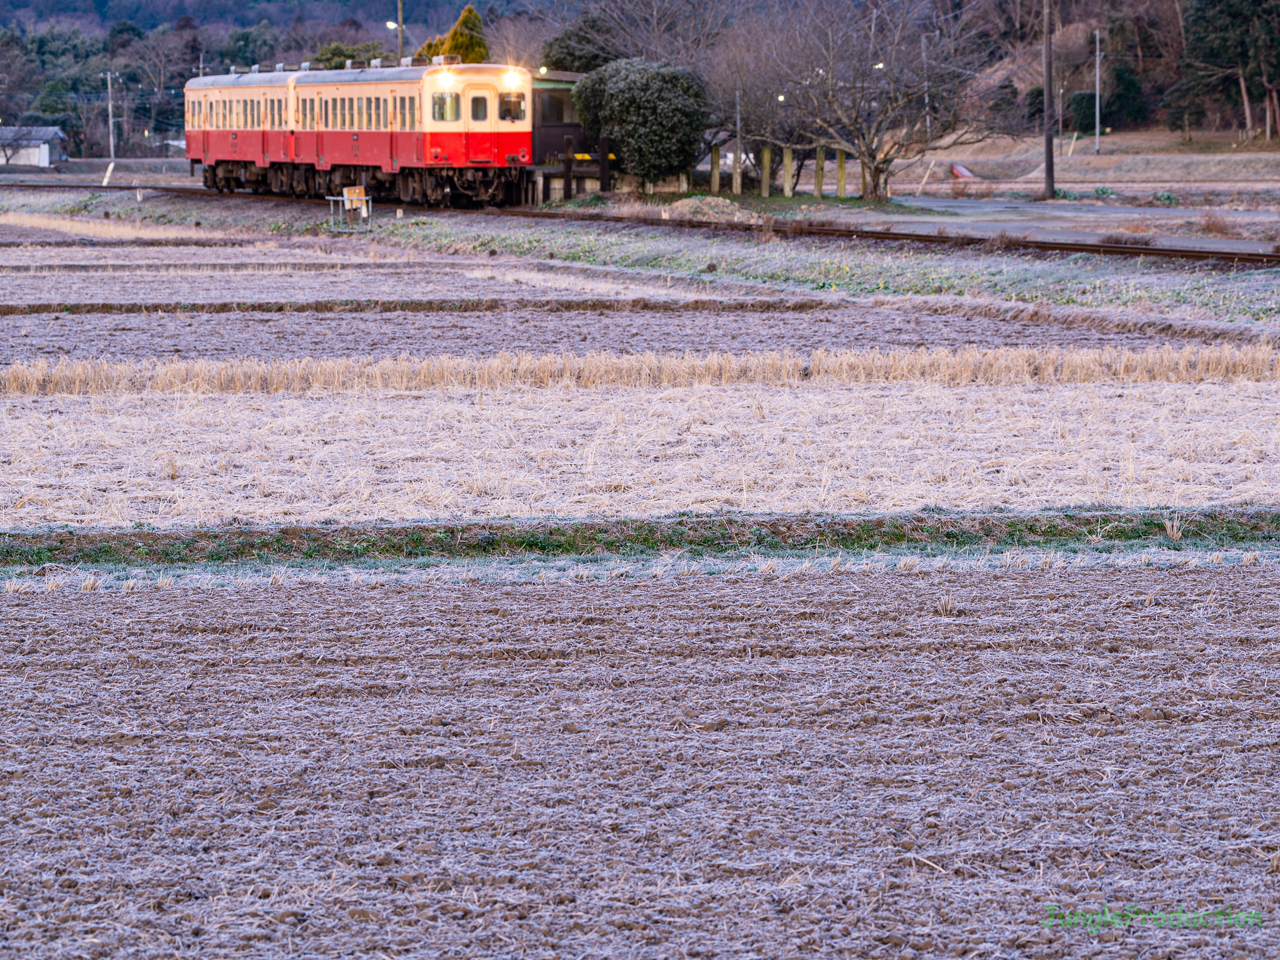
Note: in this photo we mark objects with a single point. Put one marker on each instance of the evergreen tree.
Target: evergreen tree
(465, 39)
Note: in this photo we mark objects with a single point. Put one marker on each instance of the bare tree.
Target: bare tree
(12, 140)
(744, 86)
(518, 38)
(677, 31)
(883, 80)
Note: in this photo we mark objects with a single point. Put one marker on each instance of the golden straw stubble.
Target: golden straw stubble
(1005, 366)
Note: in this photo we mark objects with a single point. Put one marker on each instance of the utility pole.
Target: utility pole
(1049, 192)
(1097, 92)
(111, 115)
(400, 24)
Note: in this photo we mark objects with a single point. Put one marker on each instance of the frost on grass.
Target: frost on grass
(175, 460)
(1189, 291)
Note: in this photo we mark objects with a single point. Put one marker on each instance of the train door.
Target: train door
(259, 134)
(481, 123)
(206, 121)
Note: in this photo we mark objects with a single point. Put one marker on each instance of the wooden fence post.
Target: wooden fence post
(819, 165)
(737, 169)
(568, 168)
(842, 182)
(788, 171)
(715, 171)
(766, 165)
(604, 165)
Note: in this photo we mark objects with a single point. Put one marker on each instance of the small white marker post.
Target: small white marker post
(110, 167)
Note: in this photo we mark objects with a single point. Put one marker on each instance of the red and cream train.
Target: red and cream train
(445, 133)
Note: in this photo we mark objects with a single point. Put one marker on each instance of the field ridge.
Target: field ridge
(1098, 530)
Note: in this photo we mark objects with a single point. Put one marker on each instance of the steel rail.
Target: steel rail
(795, 228)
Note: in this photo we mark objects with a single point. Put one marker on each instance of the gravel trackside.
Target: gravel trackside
(883, 765)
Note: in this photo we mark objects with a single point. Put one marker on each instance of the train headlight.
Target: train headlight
(513, 79)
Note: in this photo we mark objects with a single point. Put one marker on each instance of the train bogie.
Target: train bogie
(456, 134)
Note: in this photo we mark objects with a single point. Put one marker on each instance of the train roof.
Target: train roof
(361, 75)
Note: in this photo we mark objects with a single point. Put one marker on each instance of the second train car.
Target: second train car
(441, 133)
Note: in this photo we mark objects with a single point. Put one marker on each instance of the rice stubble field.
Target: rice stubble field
(737, 750)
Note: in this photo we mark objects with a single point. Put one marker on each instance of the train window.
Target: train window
(377, 113)
(479, 108)
(446, 106)
(413, 114)
(324, 113)
(386, 116)
(557, 107)
(511, 106)
(402, 123)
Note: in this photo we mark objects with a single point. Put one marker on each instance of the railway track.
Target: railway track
(795, 228)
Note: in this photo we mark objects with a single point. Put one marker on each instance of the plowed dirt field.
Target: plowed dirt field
(518, 329)
(699, 766)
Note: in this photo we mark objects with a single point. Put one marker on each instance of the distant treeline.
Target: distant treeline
(1190, 64)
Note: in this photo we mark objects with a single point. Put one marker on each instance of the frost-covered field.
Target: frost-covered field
(175, 459)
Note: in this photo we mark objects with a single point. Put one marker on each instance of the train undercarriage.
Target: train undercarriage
(459, 187)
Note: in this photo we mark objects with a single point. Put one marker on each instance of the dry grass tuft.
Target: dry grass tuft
(90, 584)
(1216, 225)
(1249, 559)
(15, 586)
(1001, 242)
(1004, 366)
(130, 585)
(1128, 239)
(1173, 528)
(946, 606)
(53, 584)
(907, 564)
(164, 582)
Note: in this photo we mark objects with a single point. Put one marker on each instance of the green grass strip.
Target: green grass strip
(698, 535)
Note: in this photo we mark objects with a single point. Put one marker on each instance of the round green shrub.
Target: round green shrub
(654, 115)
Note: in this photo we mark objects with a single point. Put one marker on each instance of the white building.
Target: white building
(32, 146)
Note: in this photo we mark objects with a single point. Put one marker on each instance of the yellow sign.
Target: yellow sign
(353, 198)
